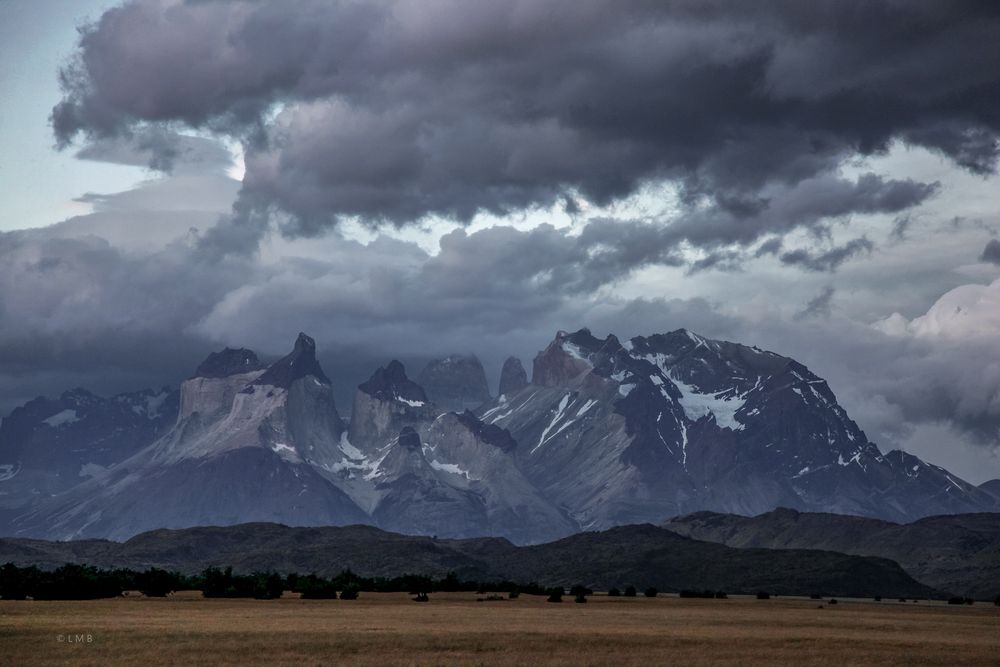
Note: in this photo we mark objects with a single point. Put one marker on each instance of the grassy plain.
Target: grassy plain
(454, 629)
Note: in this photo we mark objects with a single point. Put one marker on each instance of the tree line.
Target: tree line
(85, 582)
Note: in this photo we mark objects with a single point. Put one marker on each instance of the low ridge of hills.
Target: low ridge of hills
(640, 555)
(957, 553)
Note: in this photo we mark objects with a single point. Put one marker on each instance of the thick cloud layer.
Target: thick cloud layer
(729, 167)
(393, 112)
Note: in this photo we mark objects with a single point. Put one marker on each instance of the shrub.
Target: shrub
(763, 595)
(706, 594)
(902, 599)
(650, 592)
(720, 595)
(878, 598)
(997, 601)
(960, 600)
(630, 592)
(580, 597)
(833, 601)
(514, 594)
(815, 596)
(350, 592)
(422, 597)
(614, 592)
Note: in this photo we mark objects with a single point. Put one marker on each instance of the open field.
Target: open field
(388, 628)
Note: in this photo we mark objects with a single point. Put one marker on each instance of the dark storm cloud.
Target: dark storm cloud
(991, 253)
(391, 112)
(828, 260)
(820, 305)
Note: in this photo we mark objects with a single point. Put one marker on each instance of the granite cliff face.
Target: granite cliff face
(606, 433)
(455, 383)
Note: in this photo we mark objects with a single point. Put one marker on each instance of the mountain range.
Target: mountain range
(605, 433)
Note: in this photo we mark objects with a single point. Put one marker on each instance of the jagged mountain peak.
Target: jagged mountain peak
(228, 361)
(390, 382)
(300, 362)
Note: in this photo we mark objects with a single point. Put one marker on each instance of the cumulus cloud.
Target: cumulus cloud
(393, 112)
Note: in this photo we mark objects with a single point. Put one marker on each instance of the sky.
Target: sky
(413, 179)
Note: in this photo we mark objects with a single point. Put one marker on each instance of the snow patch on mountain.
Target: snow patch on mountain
(62, 418)
(698, 405)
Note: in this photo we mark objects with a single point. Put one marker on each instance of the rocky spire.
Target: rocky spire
(297, 364)
(391, 382)
(512, 376)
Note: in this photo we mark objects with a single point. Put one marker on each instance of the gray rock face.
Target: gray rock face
(455, 383)
(240, 447)
(512, 376)
(385, 404)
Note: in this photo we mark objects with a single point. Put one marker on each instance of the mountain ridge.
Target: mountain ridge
(605, 433)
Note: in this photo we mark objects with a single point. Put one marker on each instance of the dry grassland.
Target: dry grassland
(454, 629)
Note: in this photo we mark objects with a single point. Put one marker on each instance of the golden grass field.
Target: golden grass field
(453, 629)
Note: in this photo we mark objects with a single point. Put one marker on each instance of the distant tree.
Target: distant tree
(763, 595)
(292, 581)
(630, 592)
(268, 586)
(997, 601)
(15, 582)
(580, 589)
(833, 601)
(614, 592)
(76, 582)
(450, 583)
(555, 594)
(650, 592)
(421, 597)
(514, 594)
(878, 598)
(316, 588)
(580, 597)
(815, 596)
(156, 583)
(350, 592)
(720, 595)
